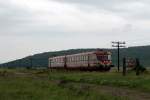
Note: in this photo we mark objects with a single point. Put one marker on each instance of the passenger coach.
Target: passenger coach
(96, 60)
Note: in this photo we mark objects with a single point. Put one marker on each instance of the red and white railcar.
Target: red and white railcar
(96, 60)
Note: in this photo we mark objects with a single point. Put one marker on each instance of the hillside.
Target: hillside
(41, 60)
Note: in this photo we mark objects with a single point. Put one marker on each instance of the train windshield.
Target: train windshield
(103, 57)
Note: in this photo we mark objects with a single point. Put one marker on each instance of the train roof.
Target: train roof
(100, 52)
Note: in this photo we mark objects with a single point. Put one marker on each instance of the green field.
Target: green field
(22, 84)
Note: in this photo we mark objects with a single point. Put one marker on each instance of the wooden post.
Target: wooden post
(137, 67)
(124, 66)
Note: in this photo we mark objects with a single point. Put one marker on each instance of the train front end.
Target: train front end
(104, 60)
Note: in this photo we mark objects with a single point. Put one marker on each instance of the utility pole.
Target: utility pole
(118, 44)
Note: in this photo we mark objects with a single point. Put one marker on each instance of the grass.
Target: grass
(21, 84)
(141, 82)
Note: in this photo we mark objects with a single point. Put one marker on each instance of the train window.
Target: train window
(102, 57)
(86, 58)
(75, 58)
(61, 59)
(106, 57)
(71, 59)
(83, 58)
(68, 59)
(56, 59)
(109, 57)
(99, 57)
(80, 58)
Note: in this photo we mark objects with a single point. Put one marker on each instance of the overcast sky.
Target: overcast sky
(34, 26)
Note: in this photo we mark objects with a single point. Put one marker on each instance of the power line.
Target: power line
(118, 44)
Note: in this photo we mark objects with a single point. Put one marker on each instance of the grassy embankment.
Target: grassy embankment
(21, 84)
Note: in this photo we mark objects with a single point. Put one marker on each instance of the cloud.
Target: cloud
(39, 16)
(44, 25)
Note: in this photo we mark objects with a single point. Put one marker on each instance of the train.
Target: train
(98, 60)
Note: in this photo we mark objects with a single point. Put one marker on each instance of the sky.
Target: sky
(28, 27)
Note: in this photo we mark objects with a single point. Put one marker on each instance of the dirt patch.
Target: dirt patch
(116, 91)
(130, 94)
